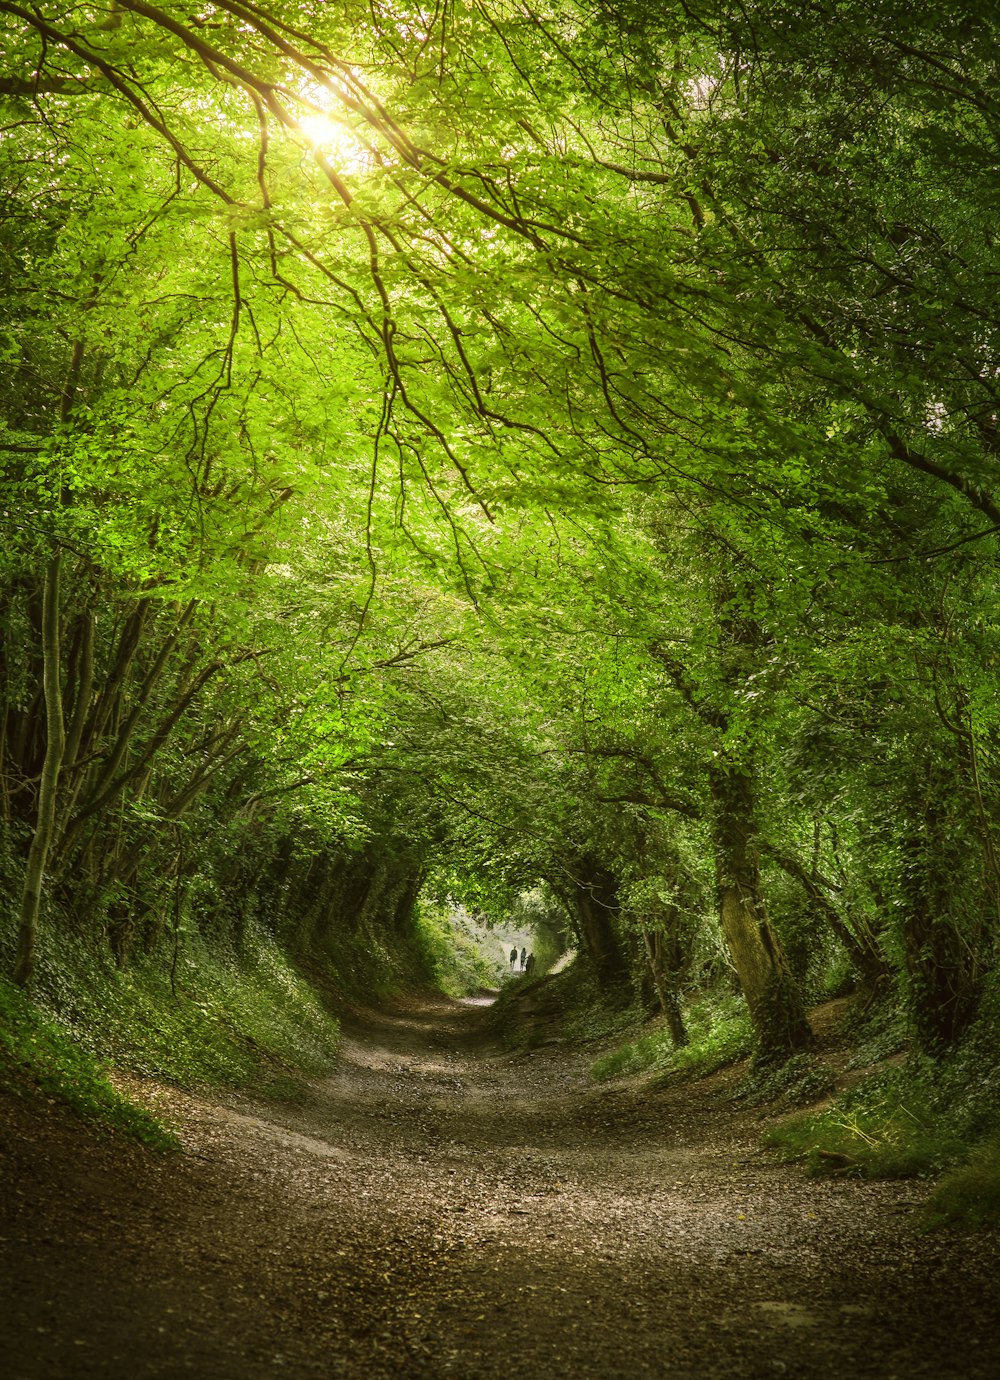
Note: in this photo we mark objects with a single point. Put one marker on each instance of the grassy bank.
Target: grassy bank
(40, 1057)
(564, 1005)
(924, 1119)
(718, 1032)
(898, 1114)
(210, 1016)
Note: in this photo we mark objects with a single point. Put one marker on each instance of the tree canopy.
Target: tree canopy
(508, 443)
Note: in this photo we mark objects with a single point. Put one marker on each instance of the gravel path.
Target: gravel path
(441, 1208)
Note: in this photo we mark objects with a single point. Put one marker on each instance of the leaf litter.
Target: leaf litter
(440, 1207)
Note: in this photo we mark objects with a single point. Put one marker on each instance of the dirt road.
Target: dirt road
(441, 1208)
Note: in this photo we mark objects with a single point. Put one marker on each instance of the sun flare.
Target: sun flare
(331, 136)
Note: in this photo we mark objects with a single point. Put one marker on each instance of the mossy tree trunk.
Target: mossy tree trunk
(939, 925)
(593, 895)
(766, 980)
(663, 973)
(772, 995)
(41, 841)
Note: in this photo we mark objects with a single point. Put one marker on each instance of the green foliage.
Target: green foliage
(836, 977)
(919, 1117)
(719, 1034)
(877, 1032)
(885, 1128)
(911, 1120)
(366, 967)
(460, 956)
(799, 1081)
(565, 1005)
(241, 1020)
(604, 1015)
(37, 1054)
(652, 1051)
(465, 495)
(967, 1196)
(548, 944)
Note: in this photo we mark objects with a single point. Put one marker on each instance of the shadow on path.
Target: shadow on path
(440, 1207)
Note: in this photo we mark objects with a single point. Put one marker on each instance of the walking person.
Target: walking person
(524, 955)
(513, 958)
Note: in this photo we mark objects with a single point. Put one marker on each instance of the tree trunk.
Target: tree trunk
(128, 774)
(594, 897)
(80, 675)
(862, 952)
(772, 995)
(942, 971)
(31, 897)
(666, 995)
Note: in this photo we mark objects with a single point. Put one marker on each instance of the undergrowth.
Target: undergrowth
(451, 951)
(884, 1128)
(203, 1016)
(39, 1055)
(969, 1194)
(799, 1081)
(923, 1118)
(220, 1018)
(365, 966)
(718, 1031)
(566, 1005)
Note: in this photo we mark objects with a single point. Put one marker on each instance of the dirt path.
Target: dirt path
(440, 1208)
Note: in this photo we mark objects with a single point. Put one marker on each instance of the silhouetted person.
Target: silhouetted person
(513, 957)
(524, 955)
(529, 966)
